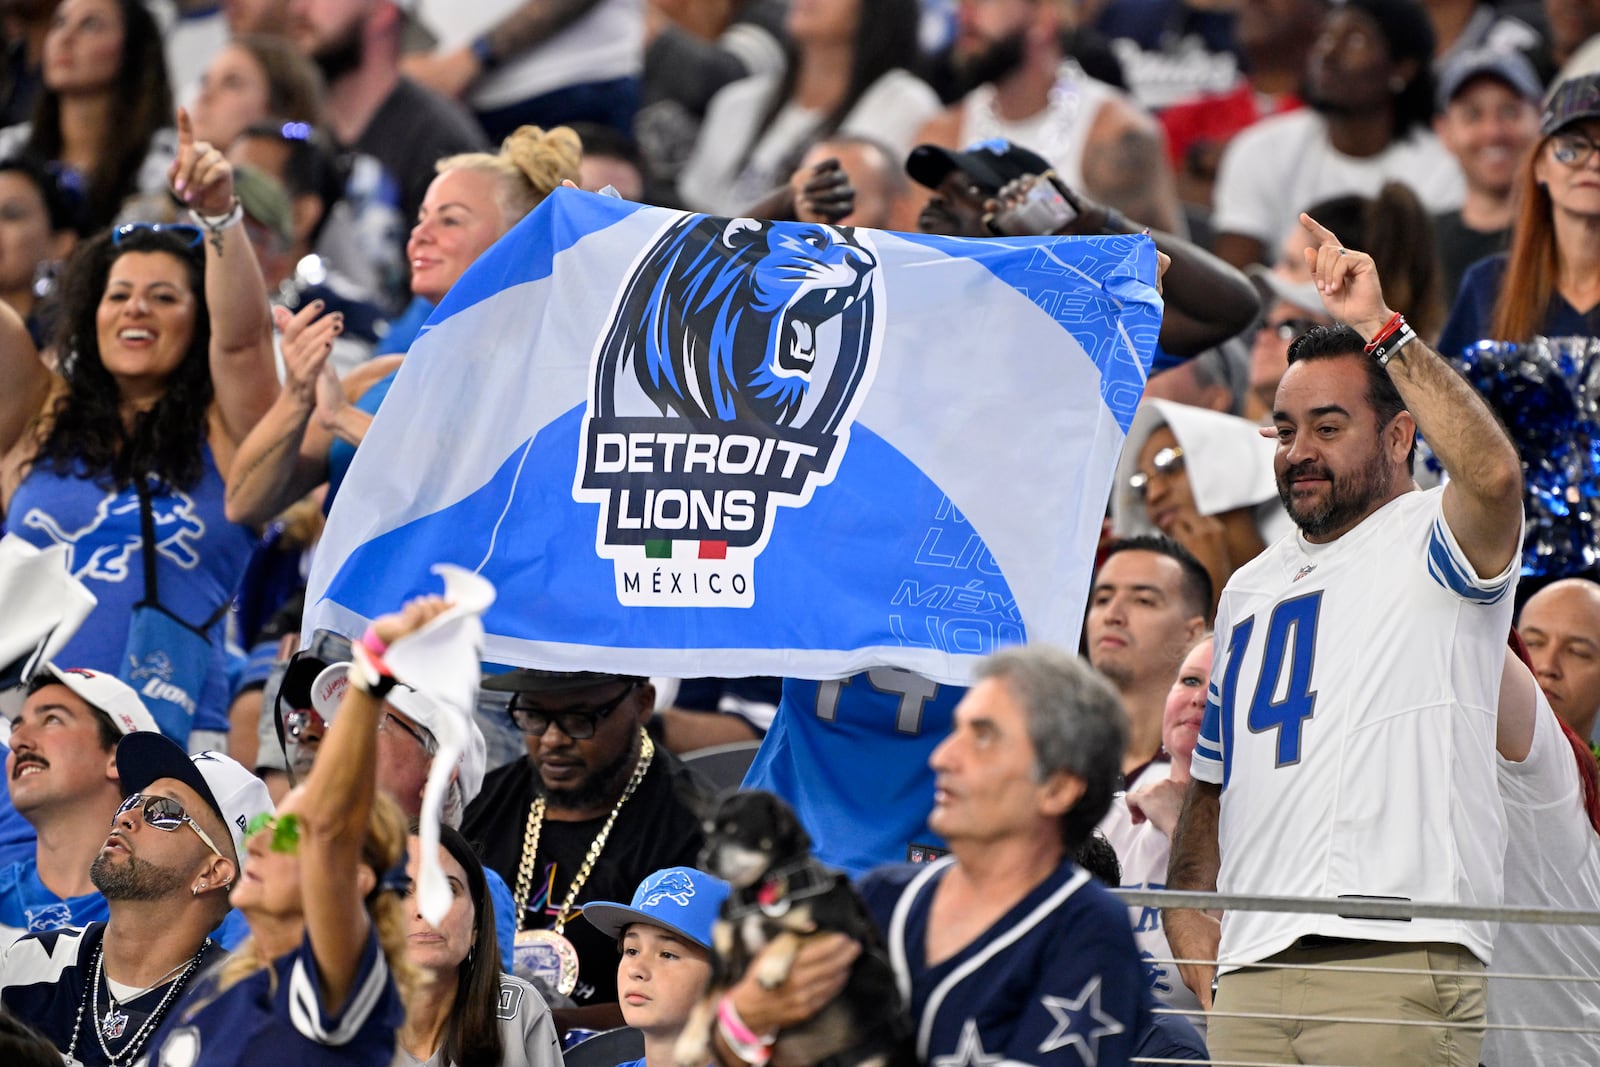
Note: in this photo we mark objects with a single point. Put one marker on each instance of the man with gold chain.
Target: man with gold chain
(594, 808)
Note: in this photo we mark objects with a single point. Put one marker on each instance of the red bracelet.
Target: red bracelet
(1395, 322)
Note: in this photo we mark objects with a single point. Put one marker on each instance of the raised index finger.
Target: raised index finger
(1318, 231)
(185, 128)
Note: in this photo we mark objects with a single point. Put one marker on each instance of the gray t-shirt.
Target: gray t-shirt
(526, 1030)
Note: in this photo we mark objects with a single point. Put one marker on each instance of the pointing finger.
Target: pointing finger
(1319, 233)
(185, 128)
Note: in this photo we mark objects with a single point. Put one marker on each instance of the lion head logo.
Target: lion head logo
(726, 384)
(724, 320)
(672, 885)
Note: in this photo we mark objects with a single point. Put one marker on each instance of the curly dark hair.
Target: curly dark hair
(87, 434)
(141, 105)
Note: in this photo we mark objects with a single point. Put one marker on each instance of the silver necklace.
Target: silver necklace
(115, 1022)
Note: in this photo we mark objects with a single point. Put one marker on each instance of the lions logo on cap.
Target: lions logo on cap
(672, 885)
(725, 386)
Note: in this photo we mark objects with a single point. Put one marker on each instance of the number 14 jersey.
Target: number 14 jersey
(1351, 725)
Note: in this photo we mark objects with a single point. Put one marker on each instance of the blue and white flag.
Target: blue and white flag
(685, 445)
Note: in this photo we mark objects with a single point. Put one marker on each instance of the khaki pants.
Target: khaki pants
(1448, 1005)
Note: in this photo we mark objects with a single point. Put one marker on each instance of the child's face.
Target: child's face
(660, 978)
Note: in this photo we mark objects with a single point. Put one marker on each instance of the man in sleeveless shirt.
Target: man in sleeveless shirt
(1024, 90)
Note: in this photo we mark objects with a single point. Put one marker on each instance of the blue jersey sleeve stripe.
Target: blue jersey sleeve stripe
(1449, 572)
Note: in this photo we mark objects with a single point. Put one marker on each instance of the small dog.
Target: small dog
(781, 894)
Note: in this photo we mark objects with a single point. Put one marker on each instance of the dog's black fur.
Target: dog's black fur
(755, 843)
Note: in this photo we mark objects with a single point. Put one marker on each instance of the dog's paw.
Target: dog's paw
(693, 1047)
(772, 970)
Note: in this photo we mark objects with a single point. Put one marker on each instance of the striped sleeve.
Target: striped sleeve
(1207, 762)
(1448, 566)
(305, 1002)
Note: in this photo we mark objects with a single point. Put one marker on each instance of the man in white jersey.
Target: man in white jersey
(1025, 90)
(1348, 748)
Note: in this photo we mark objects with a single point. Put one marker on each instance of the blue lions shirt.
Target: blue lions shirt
(27, 906)
(200, 557)
(17, 838)
(851, 757)
(269, 1020)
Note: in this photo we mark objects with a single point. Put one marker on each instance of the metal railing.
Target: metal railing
(1364, 909)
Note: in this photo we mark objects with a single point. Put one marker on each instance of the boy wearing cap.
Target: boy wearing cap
(665, 939)
(165, 870)
(62, 778)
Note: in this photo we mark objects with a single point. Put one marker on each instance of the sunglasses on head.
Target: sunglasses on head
(189, 235)
(285, 830)
(167, 814)
(577, 723)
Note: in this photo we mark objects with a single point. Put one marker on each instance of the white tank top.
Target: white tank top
(1057, 133)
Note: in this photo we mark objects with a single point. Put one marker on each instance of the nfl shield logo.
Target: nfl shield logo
(114, 1025)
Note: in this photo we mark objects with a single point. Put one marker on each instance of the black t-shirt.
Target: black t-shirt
(1461, 247)
(413, 129)
(659, 827)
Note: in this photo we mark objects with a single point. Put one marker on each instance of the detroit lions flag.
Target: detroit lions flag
(686, 445)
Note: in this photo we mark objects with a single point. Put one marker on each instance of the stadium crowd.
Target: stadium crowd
(1371, 415)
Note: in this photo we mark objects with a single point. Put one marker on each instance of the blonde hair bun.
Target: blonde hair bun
(545, 157)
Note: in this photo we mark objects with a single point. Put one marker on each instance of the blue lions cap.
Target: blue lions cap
(679, 899)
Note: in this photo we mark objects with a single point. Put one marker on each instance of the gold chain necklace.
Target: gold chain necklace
(530, 842)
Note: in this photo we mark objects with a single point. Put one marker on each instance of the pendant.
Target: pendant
(546, 954)
(114, 1024)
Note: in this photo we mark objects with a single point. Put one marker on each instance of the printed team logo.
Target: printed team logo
(725, 387)
(155, 677)
(107, 549)
(671, 885)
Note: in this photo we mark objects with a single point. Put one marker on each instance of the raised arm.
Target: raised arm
(1206, 300)
(286, 456)
(530, 23)
(24, 379)
(1483, 498)
(334, 812)
(243, 376)
(1192, 866)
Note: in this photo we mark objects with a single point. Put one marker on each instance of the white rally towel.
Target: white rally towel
(44, 604)
(681, 444)
(441, 661)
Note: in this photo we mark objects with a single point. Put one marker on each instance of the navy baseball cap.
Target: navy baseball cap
(1572, 101)
(989, 164)
(681, 900)
(1511, 68)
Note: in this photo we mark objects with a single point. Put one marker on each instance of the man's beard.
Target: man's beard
(999, 59)
(134, 880)
(604, 786)
(340, 56)
(1349, 496)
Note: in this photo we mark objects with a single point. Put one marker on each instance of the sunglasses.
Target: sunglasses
(1165, 463)
(285, 831)
(577, 723)
(1289, 329)
(167, 814)
(189, 235)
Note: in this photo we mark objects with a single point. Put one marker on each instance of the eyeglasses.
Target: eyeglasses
(1165, 462)
(577, 723)
(189, 235)
(419, 735)
(167, 814)
(285, 830)
(1289, 329)
(1572, 149)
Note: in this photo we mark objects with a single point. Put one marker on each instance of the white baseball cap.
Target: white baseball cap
(108, 694)
(327, 690)
(236, 795)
